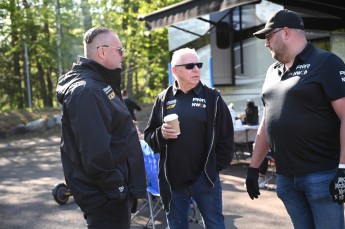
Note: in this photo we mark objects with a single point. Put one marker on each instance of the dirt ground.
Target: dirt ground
(29, 169)
(30, 166)
(10, 119)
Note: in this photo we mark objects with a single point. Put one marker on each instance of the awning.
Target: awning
(318, 14)
(322, 8)
(189, 9)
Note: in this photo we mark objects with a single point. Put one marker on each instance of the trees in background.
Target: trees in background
(41, 39)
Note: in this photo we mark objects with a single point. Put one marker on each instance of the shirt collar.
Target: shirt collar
(197, 89)
(304, 55)
(306, 52)
(301, 57)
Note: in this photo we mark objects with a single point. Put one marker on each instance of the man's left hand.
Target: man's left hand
(252, 183)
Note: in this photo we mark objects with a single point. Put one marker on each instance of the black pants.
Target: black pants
(115, 214)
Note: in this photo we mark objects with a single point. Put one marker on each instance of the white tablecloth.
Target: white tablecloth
(245, 133)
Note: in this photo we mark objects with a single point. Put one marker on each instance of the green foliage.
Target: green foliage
(35, 24)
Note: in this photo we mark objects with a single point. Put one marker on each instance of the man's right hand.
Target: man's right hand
(168, 132)
(252, 183)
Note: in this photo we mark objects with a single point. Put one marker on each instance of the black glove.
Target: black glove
(252, 183)
(118, 193)
(337, 187)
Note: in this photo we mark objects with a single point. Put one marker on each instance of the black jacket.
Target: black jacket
(100, 149)
(220, 136)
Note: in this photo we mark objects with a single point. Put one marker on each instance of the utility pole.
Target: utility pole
(58, 42)
(27, 72)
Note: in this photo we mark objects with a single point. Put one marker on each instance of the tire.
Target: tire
(61, 193)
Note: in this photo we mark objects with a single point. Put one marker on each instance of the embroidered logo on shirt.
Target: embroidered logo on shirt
(170, 104)
(342, 75)
(301, 70)
(199, 102)
(109, 92)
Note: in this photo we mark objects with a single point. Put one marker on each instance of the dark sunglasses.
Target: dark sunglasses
(190, 65)
(268, 36)
(121, 50)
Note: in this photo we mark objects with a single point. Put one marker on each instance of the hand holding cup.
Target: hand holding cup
(171, 127)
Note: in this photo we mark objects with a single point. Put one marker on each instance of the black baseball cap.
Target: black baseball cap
(281, 19)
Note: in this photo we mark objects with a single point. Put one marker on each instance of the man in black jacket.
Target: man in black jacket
(190, 161)
(100, 150)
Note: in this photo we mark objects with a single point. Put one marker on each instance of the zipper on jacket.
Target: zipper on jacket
(166, 157)
(212, 141)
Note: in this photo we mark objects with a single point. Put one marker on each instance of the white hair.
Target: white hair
(176, 57)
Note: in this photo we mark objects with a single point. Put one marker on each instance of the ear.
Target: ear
(100, 53)
(173, 70)
(287, 33)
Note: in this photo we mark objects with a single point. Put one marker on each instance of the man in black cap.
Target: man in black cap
(303, 125)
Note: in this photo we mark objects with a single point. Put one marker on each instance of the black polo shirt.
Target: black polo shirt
(186, 155)
(302, 127)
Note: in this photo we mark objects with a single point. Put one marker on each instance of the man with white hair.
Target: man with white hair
(190, 161)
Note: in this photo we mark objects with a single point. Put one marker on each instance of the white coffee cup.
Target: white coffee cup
(172, 120)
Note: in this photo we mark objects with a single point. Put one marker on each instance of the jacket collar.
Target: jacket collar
(109, 76)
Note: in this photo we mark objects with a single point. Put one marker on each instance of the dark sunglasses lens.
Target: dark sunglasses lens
(191, 66)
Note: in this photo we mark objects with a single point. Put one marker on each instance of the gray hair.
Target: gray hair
(176, 57)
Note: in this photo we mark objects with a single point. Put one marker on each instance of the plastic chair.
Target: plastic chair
(270, 180)
(153, 197)
(244, 137)
(195, 215)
